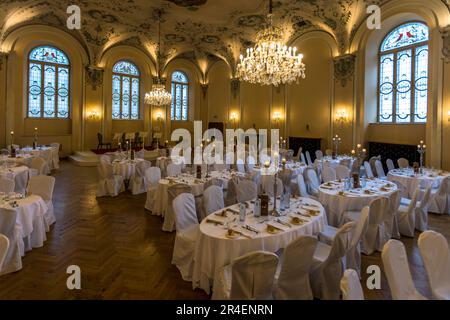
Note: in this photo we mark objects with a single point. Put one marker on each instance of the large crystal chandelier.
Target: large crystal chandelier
(271, 62)
(158, 96)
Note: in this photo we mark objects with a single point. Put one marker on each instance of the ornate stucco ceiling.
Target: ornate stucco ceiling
(196, 29)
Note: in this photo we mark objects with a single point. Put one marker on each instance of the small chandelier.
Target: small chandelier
(271, 62)
(158, 96)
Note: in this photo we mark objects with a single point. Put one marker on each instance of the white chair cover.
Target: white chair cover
(397, 272)
(230, 197)
(212, 200)
(7, 185)
(342, 172)
(374, 239)
(240, 165)
(292, 278)
(308, 158)
(153, 175)
(351, 286)
(407, 216)
(187, 233)
(422, 211)
(250, 163)
(249, 277)
(380, 170)
(169, 216)
(43, 186)
(390, 164)
(140, 154)
(55, 154)
(302, 186)
(402, 188)
(312, 181)
(440, 199)
(346, 162)
(138, 182)
(327, 268)
(403, 163)
(328, 174)
(319, 154)
(37, 166)
(391, 220)
(8, 227)
(246, 190)
(436, 257)
(105, 159)
(4, 245)
(173, 169)
(297, 157)
(108, 184)
(368, 169)
(21, 180)
(267, 186)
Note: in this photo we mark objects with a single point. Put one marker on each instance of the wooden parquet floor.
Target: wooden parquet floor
(124, 254)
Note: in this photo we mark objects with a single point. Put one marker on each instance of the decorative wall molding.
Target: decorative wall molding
(446, 44)
(235, 87)
(344, 68)
(94, 76)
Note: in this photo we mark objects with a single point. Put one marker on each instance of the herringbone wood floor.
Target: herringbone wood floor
(122, 252)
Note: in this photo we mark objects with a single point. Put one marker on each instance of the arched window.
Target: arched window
(48, 83)
(180, 96)
(403, 75)
(125, 91)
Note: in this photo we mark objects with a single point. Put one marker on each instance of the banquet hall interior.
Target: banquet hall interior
(225, 150)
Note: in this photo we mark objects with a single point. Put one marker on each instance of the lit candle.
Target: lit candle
(353, 152)
(418, 146)
(35, 129)
(283, 161)
(424, 146)
(421, 141)
(364, 150)
(358, 145)
(267, 164)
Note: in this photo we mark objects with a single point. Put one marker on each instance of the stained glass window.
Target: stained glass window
(180, 96)
(403, 75)
(48, 83)
(125, 91)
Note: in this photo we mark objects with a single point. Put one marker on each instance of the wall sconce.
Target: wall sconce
(233, 118)
(276, 116)
(94, 115)
(158, 116)
(448, 114)
(341, 115)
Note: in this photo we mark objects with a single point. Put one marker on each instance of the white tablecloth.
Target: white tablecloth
(214, 250)
(336, 203)
(411, 181)
(333, 163)
(19, 174)
(125, 168)
(43, 152)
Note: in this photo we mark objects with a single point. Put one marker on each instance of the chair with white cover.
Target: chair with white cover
(212, 200)
(351, 286)
(140, 154)
(353, 256)
(173, 170)
(406, 215)
(138, 182)
(230, 197)
(187, 233)
(251, 162)
(346, 163)
(397, 272)
(422, 211)
(297, 157)
(37, 166)
(403, 163)
(368, 169)
(153, 175)
(308, 158)
(267, 186)
(9, 228)
(436, 257)
(312, 181)
(4, 246)
(391, 229)
(302, 157)
(327, 268)
(240, 164)
(402, 188)
(55, 154)
(292, 277)
(329, 152)
(43, 186)
(246, 190)
(302, 187)
(174, 191)
(380, 170)
(319, 154)
(328, 174)
(105, 158)
(7, 185)
(440, 198)
(249, 277)
(109, 184)
(390, 164)
(342, 172)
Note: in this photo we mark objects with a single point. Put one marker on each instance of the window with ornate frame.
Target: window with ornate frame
(125, 91)
(180, 96)
(403, 75)
(48, 83)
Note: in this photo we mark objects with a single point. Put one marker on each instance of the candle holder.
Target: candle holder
(421, 149)
(336, 142)
(35, 140)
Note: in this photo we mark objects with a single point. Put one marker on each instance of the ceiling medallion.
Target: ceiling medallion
(270, 61)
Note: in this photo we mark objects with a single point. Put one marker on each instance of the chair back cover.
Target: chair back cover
(397, 271)
(426, 198)
(302, 158)
(213, 182)
(38, 163)
(106, 171)
(403, 163)
(8, 219)
(213, 199)
(184, 209)
(302, 186)
(240, 165)
(251, 162)
(345, 163)
(341, 242)
(173, 169)
(140, 154)
(297, 157)
(267, 185)
(369, 172)
(390, 164)
(436, 257)
(444, 188)
(328, 174)
(379, 168)
(7, 185)
(319, 154)
(351, 286)
(293, 281)
(308, 158)
(342, 172)
(4, 245)
(141, 167)
(360, 227)
(285, 176)
(252, 276)
(105, 159)
(42, 186)
(311, 179)
(153, 175)
(246, 190)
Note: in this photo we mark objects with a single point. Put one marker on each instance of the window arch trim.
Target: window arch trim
(179, 110)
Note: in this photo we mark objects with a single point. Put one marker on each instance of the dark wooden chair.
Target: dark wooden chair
(101, 143)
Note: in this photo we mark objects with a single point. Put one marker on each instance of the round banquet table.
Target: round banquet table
(411, 181)
(20, 159)
(43, 152)
(333, 163)
(296, 167)
(336, 201)
(125, 168)
(19, 174)
(214, 250)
